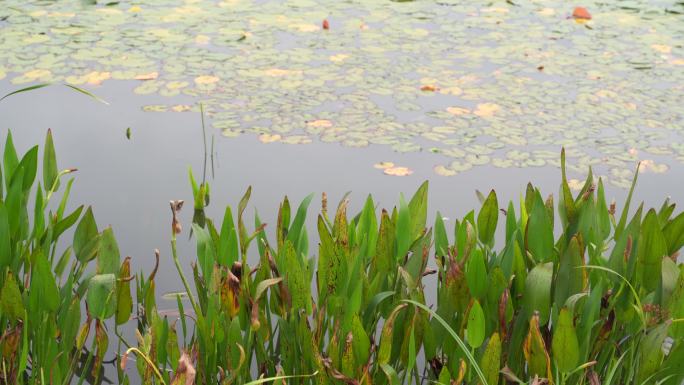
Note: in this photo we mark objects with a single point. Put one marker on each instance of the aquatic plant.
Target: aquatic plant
(55, 295)
(603, 301)
(576, 293)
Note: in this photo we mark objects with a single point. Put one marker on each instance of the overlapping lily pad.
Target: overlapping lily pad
(470, 84)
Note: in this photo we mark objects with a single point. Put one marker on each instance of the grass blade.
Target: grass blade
(631, 288)
(88, 93)
(42, 85)
(459, 341)
(30, 88)
(276, 378)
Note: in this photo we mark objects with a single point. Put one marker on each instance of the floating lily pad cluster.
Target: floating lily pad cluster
(477, 84)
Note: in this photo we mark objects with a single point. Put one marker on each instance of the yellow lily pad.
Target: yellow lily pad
(319, 123)
(148, 76)
(444, 171)
(398, 171)
(206, 79)
(96, 78)
(458, 111)
(484, 110)
(340, 57)
(270, 138)
(181, 108)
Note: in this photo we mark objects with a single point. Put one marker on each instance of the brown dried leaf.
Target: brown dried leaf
(185, 373)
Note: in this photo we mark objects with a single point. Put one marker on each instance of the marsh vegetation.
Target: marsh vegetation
(578, 291)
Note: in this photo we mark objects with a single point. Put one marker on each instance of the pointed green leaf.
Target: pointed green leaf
(491, 359)
(86, 237)
(651, 351)
(475, 330)
(384, 260)
(227, 252)
(264, 285)
(487, 219)
(124, 300)
(625, 210)
(565, 344)
(297, 279)
(30, 165)
(511, 222)
(11, 302)
(676, 307)
(539, 232)
(101, 297)
(537, 295)
(651, 250)
(674, 234)
(43, 280)
(5, 243)
(441, 238)
(206, 251)
(385, 346)
(295, 230)
(367, 229)
(444, 376)
(108, 256)
(418, 209)
(566, 203)
(536, 354)
(403, 229)
(603, 217)
(10, 159)
(570, 276)
(50, 171)
(476, 274)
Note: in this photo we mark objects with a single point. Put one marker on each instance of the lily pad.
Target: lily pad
(398, 171)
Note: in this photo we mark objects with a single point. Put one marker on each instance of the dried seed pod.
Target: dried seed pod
(176, 206)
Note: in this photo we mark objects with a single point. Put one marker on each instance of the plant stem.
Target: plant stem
(204, 137)
(149, 362)
(86, 365)
(182, 276)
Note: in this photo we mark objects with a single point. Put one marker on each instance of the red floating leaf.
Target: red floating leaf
(581, 13)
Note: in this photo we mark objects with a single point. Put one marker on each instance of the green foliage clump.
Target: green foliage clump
(54, 301)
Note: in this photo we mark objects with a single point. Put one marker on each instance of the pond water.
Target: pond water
(496, 84)
(468, 96)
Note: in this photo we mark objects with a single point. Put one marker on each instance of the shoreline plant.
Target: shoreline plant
(576, 293)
